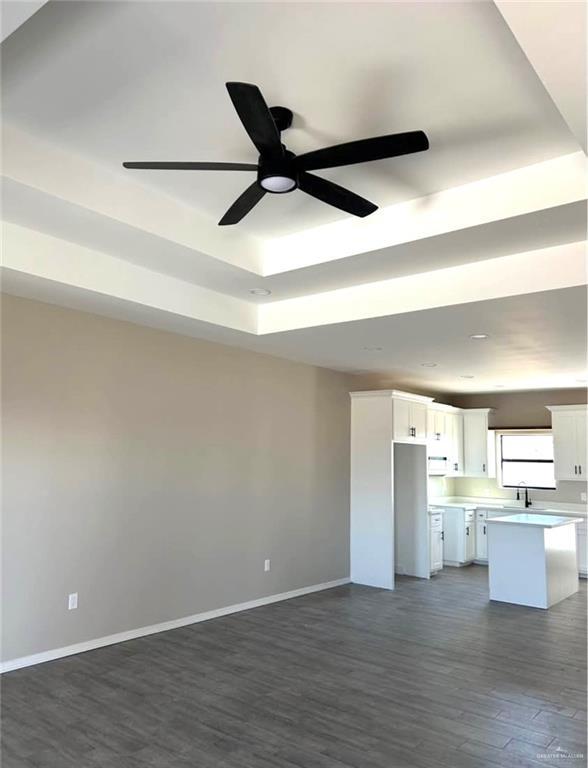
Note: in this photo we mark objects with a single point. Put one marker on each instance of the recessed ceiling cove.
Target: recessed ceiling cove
(117, 81)
(490, 218)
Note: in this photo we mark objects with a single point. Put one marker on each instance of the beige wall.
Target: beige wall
(153, 474)
(519, 409)
(373, 381)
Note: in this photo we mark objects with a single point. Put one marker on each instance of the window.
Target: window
(526, 458)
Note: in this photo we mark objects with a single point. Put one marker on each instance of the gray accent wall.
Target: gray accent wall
(153, 474)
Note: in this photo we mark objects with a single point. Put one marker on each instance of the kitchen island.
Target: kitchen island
(532, 559)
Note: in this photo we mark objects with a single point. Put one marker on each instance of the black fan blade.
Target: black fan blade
(364, 150)
(192, 166)
(256, 118)
(335, 195)
(243, 205)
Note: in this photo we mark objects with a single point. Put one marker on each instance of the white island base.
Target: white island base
(532, 559)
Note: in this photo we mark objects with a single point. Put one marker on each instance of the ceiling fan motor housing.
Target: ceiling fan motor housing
(273, 173)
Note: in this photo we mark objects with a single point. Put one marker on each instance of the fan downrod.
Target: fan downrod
(282, 117)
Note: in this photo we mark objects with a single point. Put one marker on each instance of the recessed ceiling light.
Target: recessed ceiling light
(429, 365)
(466, 377)
(373, 349)
(259, 292)
(478, 336)
(499, 386)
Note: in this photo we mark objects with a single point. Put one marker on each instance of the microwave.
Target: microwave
(437, 465)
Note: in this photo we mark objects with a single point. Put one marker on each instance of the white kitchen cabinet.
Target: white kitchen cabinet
(437, 430)
(410, 419)
(459, 534)
(445, 437)
(436, 542)
(481, 537)
(389, 524)
(482, 516)
(568, 424)
(455, 457)
(479, 445)
(470, 542)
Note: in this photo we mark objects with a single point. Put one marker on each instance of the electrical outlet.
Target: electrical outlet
(72, 601)
(267, 565)
(583, 497)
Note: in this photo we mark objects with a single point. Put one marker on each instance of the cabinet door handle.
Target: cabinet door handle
(580, 469)
(484, 530)
(455, 467)
(483, 467)
(467, 530)
(442, 535)
(575, 469)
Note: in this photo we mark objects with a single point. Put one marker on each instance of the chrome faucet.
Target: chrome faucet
(528, 501)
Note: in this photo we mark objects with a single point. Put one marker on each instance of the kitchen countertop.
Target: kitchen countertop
(534, 520)
(540, 508)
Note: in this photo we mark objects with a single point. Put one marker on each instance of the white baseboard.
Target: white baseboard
(131, 634)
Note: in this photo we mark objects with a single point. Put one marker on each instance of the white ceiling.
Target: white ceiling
(131, 81)
(86, 85)
(535, 341)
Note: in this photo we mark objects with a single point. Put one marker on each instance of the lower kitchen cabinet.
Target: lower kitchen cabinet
(481, 540)
(459, 533)
(436, 542)
(470, 541)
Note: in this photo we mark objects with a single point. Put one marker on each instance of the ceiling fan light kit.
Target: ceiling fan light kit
(280, 171)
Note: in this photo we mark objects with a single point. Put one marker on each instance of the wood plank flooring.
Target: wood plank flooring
(429, 676)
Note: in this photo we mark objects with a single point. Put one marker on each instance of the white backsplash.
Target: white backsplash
(489, 488)
(440, 486)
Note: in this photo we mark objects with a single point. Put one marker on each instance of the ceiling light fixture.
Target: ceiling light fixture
(429, 365)
(278, 183)
(478, 336)
(373, 349)
(466, 377)
(259, 292)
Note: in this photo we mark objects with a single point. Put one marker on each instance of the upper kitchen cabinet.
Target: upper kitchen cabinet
(568, 424)
(445, 436)
(455, 441)
(409, 417)
(479, 445)
(437, 428)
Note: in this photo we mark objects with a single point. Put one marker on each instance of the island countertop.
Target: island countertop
(535, 520)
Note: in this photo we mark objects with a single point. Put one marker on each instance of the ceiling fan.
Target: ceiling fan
(280, 170)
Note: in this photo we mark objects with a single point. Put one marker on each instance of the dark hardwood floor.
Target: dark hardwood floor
(431, 676)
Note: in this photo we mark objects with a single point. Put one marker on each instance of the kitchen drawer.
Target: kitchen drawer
(436, 520)
(469, 515)
(481, 514)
